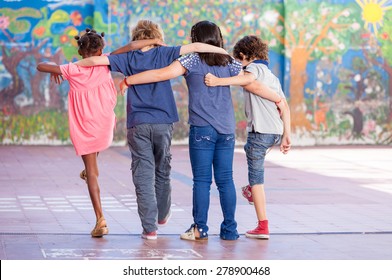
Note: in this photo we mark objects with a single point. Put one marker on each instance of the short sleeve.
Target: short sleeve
(170, 53)
(189, 61)
(257, 71)
(118, 62)
(67, 70)
(235, 68)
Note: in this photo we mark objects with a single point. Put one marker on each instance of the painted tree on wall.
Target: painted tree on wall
(383, 48)
(377, 49)
(360, 95)
(14, 24)
(385, 39)
(313, 36)
(26, 97)
(112, 17)
(235, 19)
(308, 32)
(61, 40)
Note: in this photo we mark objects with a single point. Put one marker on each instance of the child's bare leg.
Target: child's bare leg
(258, 195)
(91, 166)
(90, 163)
(261, 231)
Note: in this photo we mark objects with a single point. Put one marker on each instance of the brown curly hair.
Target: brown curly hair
(251, 47)
(90, 42)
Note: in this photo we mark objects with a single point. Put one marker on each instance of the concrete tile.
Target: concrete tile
(319, 203)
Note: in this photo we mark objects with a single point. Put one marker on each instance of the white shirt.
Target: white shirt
(262, 115)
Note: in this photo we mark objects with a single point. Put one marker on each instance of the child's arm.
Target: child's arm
(137, 45)
(169, 72)
(104, 60)
(285, 144)
(250, 84)
(201, 48)
(93, 61)
(248, 81)
(49, 67)
(241, 79)
(264, 91)
(53, 69)
(260, 89)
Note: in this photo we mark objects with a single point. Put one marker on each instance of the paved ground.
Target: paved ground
(323, 204)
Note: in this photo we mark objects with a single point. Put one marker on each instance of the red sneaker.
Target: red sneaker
(164, 222)
(247, 193)
(150, 235)
(261, 231)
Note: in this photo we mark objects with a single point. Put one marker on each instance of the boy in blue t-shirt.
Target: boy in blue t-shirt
(151, 112)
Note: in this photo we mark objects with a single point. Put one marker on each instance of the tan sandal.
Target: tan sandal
(100, 228)
(83, 175)
(193, 234)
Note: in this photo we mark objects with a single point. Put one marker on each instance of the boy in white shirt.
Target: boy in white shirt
(268, 120)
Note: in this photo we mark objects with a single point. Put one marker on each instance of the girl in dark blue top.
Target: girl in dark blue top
(212, 128)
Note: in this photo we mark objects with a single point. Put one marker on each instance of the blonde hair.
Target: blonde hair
(146, 29)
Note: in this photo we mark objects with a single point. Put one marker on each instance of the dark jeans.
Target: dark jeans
(213, 152)
(150, 148)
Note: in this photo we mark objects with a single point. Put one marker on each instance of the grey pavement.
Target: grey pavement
(324, 203)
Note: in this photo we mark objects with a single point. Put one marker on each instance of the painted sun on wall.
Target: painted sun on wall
(333, 58)
(373, 13)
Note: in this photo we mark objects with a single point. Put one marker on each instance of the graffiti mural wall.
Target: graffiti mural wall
(333, 58)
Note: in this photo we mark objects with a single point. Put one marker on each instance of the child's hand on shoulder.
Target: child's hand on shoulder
(159, 42)
(210, 80)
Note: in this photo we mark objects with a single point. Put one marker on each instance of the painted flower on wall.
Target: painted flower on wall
(76, 18)
(40, 31)
(385, 36)
(4, 22)
(64, 39)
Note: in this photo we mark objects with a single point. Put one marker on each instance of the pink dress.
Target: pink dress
(91, 100)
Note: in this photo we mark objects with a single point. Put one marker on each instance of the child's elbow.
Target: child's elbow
(197, 47)
(96, 62)
(285, 107)
(286, 104)
(40, 66)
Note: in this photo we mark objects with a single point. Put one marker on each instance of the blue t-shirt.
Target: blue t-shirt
(209, 105)
(148, 103)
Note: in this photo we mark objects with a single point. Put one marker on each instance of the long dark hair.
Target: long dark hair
(209, 33)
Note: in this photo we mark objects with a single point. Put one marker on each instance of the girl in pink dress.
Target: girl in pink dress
(91, 100)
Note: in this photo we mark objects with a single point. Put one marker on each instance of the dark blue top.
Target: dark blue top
(209, 105)
(148, 103)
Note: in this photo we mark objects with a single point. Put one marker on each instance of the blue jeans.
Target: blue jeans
(256, 148)
(210, 151)
(150, 148)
